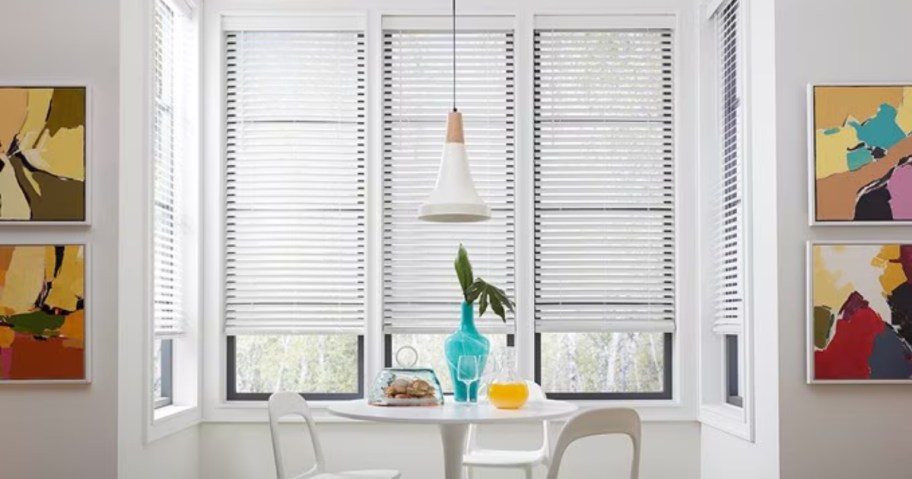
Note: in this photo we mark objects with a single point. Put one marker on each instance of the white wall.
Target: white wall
(243, 451)
(837, 432)
(70, 431)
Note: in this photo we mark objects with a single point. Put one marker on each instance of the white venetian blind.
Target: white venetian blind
(420, 289)
(168, 151)
(728, 234)
(604, 180)
(295, 158)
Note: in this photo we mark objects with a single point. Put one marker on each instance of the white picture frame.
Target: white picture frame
(810, 347)
(87, 152)
(813, 219)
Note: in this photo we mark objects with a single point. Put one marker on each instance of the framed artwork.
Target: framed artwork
(43, 152)
(44, 330)
(861, 154)
(859, 313)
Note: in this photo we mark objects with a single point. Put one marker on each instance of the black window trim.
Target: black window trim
(231, 379)
(665, 394)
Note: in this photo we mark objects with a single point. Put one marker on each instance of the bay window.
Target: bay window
(321, 164)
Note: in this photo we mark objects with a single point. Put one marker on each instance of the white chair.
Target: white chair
(509, 459)
(597, 422)
(292, 404)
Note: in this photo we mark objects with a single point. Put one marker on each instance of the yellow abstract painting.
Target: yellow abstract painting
(43, 154)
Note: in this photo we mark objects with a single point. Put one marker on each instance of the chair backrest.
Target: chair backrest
(536, 394)
(292, 404)
(597, 422)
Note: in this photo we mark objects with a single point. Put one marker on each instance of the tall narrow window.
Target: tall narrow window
(420, 292)
(170, 151)
(728, 235)
(295, 212)
(604, 212)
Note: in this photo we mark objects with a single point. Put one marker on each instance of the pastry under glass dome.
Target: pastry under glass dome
(406, 385)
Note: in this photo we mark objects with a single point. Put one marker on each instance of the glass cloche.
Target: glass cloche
(406, 385)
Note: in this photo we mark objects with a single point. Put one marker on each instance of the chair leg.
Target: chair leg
(470, 472)
(528, 471)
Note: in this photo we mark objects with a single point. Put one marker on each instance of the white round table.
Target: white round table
(453, 419)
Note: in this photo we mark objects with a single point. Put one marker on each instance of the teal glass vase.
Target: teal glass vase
(466, 341)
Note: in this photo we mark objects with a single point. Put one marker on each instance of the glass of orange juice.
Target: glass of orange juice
(508, 390)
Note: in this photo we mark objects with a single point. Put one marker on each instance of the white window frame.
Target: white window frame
(239, 26)
(135, 260)
(608, 23)
(524, 15)
(715, 409)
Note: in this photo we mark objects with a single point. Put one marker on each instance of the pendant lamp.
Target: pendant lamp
(454, 199)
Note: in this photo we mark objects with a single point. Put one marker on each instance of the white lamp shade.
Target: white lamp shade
(454, 199)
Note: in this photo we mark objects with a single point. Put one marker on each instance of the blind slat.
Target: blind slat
(295, 187)
(421, 292)
(604, 181)
(728, 229)
(168, 147)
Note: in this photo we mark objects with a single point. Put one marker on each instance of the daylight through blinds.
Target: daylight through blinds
(167, 152)
(420, 289)
(604, 180)
(728, 233)
(295, 182)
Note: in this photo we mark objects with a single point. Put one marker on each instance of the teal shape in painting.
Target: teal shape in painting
(466, 341)
(881, 130)
(858, 157)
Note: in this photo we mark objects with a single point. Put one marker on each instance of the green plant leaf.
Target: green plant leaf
(478, 289)
(475, 290)
(464, 272)
(504, 299)
(482, 304)
(497, 306)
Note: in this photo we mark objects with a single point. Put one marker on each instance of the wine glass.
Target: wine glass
(467, 371)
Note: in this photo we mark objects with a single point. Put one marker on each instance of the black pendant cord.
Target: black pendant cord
(454, 55)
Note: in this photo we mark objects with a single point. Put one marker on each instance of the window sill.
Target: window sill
(170, 420)
(728, 419)
(256, 411)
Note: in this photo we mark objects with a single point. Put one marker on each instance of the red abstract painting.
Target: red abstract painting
(42, 313)
(862, 313)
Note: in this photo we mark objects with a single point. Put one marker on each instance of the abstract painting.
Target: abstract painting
(42, 154)
(862, 153)
(860, 324)
(42, 313)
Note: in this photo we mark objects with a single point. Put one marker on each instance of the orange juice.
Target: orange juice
(508, 395)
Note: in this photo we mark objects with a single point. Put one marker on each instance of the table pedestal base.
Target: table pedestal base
(453, 437)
